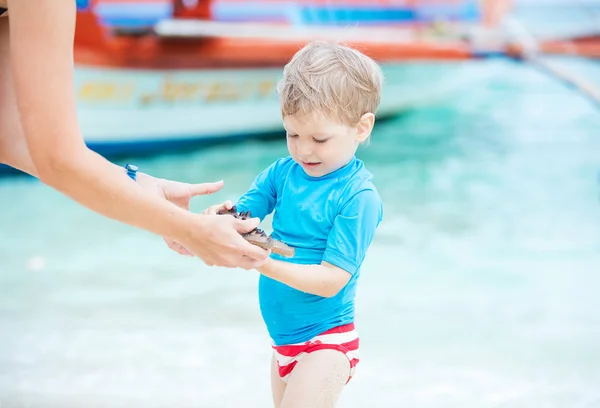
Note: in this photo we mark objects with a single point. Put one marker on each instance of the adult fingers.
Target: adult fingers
(205, 188)
(180, 249)
(246, 225)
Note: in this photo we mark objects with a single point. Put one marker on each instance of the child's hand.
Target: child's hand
(212, 210)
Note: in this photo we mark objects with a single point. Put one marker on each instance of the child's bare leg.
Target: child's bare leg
(277, 384)
(317, 380)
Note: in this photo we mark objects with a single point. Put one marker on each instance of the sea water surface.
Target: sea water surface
(480, 290)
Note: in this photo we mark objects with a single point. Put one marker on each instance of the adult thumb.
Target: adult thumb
(246, 225)
(205, 188)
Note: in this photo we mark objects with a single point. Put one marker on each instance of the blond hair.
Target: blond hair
(332, 79)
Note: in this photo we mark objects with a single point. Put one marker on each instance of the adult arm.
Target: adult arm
(41, 43)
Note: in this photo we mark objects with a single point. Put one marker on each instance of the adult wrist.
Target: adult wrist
(190, 227)
(149, 183)
(131, 171)
(180, 225)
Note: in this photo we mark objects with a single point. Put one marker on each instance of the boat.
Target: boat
(154, 75)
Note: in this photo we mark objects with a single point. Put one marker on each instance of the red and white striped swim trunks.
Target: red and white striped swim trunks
(342, 338)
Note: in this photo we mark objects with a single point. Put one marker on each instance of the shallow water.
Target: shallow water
(480, 289)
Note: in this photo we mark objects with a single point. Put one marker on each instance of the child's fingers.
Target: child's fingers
(214, 209)
(210, 210)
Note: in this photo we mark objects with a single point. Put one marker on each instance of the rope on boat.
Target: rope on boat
(577, 82)
(530, 54)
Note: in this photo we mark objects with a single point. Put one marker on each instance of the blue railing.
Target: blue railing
(136, 14)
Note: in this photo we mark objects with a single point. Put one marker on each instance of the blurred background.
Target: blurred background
(481, 287)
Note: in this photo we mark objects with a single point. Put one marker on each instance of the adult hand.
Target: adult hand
(180, 194)
(217, 241)
(214, 238)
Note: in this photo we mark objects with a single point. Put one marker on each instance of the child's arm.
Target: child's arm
(352, 232)
(324, 280)
(261, 197)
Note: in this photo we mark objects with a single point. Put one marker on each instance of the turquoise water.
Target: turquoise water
(480, 289)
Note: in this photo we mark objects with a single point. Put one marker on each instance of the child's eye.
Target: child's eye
(288, 135)
(320, 140)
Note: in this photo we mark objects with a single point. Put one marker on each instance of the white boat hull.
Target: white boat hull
(128, 110)
(132, 112)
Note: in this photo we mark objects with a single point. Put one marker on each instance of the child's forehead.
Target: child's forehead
(314, 122)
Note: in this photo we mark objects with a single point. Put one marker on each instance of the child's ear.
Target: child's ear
(365, 127)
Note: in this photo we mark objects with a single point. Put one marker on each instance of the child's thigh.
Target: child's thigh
(317, 380)
(278, 386)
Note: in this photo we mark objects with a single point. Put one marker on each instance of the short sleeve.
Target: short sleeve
(353, 231)
(261, 197)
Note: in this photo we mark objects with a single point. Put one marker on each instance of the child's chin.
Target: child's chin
(315, 171)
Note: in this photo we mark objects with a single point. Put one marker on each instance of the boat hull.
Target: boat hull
(130, 112)
(131, 106)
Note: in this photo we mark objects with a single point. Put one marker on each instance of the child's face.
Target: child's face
(321, 145)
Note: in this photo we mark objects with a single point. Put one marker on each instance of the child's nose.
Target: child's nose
(304, 150)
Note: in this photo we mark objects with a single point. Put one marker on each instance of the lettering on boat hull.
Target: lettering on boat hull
(170, 90)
